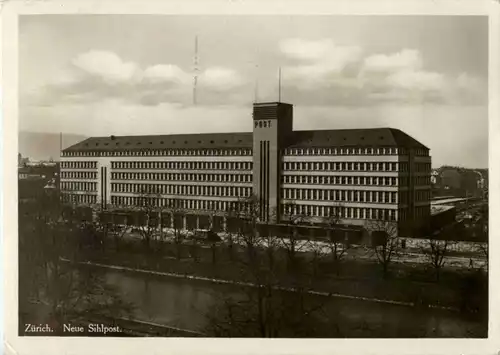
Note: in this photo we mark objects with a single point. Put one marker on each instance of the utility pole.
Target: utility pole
(256, 93)
(279, 85)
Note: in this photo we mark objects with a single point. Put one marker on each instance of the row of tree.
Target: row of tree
(385, 242)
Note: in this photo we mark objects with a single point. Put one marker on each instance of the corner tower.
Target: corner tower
(272, 128)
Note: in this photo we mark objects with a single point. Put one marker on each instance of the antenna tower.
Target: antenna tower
(196, 70)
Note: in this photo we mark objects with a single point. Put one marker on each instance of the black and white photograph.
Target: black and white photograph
(253, 176)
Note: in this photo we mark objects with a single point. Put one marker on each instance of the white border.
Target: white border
(23, 345)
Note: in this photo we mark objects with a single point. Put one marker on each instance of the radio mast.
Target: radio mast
(196, 70)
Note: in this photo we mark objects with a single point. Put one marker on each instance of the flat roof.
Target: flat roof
(449, 200)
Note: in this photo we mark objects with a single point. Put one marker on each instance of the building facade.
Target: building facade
(357, 175)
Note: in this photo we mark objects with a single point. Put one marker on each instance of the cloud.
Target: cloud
(107, 66)
(166, 73)
(319, 62)
(318, 50)
(417, 80)
(221, 79)
(407, 59)
(314, 72)
(325, 73)
(98, 75)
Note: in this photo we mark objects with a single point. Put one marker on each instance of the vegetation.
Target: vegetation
(50, 290)
(283, 268)
(385, 243)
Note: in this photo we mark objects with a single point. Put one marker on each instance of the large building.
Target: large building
(359, 175)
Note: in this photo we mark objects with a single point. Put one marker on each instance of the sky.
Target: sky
(98, 75)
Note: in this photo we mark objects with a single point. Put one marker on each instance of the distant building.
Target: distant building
(361, 175)
(458, 182)
(32, 180)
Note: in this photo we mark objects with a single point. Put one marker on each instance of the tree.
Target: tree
(149, 206)
(294, 242)
(436, 249)
(483, 248)
(483, 245)
(230, 230)
(51, 283)
(385, 242)
(174, 207)
(247, 213)
(435, 252)
(270, 306)
(336, 240)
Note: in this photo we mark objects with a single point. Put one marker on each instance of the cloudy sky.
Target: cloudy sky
(102, 75)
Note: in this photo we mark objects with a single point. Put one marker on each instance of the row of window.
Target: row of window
(78, 165)
(240, 151)
(354, 166)
(79, 175)
(340, 195)
(422, 180)
(192, 190)
(79, 199)
(344, 166)
(340, 180)
(341, 212)
(423, 168)
(180, 165)
(156, 152)
(422, 195)
(353, 180)
(203, 205)
(239, 178)
(354, 151)
(78, 186)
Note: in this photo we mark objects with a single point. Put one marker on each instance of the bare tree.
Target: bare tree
(177, 212)
(435, 252)
(271, 307)
(336, 240)
(230, 231)
(294, 242)
(385, 242)
(436, 249)
(247, 213)
(149, 207)
(483, 248)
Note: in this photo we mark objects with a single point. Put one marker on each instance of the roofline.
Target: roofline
(271, 103)
(231, 145)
